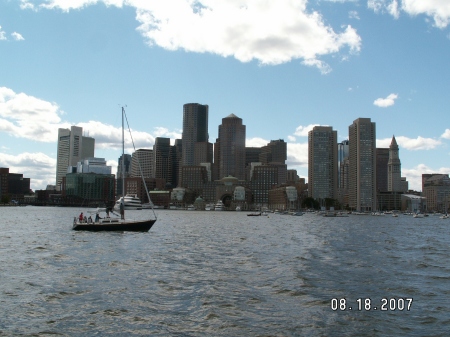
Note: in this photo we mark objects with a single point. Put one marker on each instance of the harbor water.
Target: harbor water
(200, 273)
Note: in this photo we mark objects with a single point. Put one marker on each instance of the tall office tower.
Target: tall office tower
(394, 168)
(72, 148)
(322, 163)
(144, 158)
(126, 171)
(362, 165)
(126, 166)
(195, 130)
(175, 163)
(231, 143)
(382, 169)
(161, 158)
(342, 152)
(274, 152)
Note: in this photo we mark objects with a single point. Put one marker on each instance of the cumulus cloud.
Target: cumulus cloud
(37, 166)
(256, 142)
(438, 10)
(302, 131)
(2, 34)
(386, 102)
(446, 134)
(411, 144)
(233, 28)
(353, 15)
(29, 117)
(16, 36)
(25, 116)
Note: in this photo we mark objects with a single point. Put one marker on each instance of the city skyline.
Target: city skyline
(76, 64)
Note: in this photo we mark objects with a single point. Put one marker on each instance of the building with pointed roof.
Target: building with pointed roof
(394, 168)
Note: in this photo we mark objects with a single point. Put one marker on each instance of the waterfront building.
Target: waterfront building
(4, 172)
(436, 190)
(195, 130)
(135, 186)
(362, 165)
(394, 168)
(88, 189)
(263, 179)
(292, 176)
(126, 171)
(144, 159)
(175, 161)
(231, 146)
(161, 159)
(322, 163)
(72, 148)
(284, 198)
(274, 152)
(93, 165)
(382, 161)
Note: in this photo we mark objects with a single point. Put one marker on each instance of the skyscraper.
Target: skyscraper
(195, 130)
(72, 148)
(231, 144)
(394, 168)
(161, 158)
(322, 163)
(144, 159)
(362, 165)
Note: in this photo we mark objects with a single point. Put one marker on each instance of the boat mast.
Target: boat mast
(123, 156)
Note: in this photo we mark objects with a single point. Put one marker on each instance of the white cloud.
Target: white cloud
(411, 144)
(32, 118)
(297, 155)
(386, 102)
(439, 10)
(446, 134)
(2, 34)
(237, 28)
(353, 15)
(323, 67)
(28, 117)
(40, 168)
(16, 36)
(302, 131)
(256, 142)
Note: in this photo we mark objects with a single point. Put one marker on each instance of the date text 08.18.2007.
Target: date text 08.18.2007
(367, 304)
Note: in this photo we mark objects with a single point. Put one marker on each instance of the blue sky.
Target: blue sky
(282, 66)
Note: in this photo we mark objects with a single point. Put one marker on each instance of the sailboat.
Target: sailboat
(115, 224)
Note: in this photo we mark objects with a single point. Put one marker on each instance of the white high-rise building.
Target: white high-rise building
(72, 148)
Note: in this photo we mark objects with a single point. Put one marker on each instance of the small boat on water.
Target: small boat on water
(191, 208)
(254, 214)
(107, 223)
(219, 206)
(131, 202)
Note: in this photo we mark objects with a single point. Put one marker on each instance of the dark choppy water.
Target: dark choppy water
(222, 274)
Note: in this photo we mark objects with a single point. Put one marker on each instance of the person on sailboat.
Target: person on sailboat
(122, 209)
(81, 217)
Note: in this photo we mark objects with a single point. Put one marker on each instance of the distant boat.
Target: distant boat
(191, 208)
(115, 224)
(418, 215)
(254, 214)
(131, 202)
(219, 206)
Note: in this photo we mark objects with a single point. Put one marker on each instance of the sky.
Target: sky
(283, 66)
